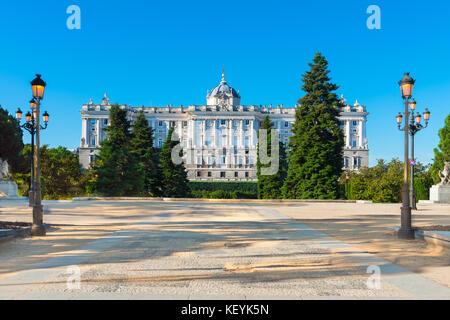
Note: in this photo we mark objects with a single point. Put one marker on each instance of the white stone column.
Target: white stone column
(347, 129)
(252, 133)
(364, 131)
(191, 130)
(360, 129)
(84, 131)
(203, 139)
(241, 134)
(98, 130)
(214, 133)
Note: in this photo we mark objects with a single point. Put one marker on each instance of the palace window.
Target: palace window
(246, 174)
(222, 174)
(160, 123)
(223, 122)
(286, 124)
(355, 123)
(198, 174)
(236, 174)
(209, 173)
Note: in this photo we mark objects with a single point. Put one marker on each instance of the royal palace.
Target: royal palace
(221, 136)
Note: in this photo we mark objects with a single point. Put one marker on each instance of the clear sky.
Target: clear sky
(171, 52)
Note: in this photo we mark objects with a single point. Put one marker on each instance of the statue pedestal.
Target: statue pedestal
(440, 194)
(8, 189)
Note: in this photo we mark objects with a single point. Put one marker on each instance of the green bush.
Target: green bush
(244, 195)
(422, 187)
(220, 194)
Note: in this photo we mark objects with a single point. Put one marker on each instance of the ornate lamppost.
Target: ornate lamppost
(30, 126)
(414, 127)
(38, 229)
(405, 231)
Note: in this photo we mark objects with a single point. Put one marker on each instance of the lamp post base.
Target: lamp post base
(406, 233)
(413, 202)
(38, 229)
(31, 198)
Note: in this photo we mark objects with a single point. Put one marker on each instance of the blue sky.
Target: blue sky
(159, 53)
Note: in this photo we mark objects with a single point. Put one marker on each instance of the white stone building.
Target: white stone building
(219, 139)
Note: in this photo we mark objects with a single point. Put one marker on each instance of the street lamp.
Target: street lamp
(38, 87)
(406, 231)
(415, 127)
(30, 126)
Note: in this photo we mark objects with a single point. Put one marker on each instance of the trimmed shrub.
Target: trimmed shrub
(225, 186)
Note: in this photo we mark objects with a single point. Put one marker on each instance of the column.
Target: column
(191, 142)
(98, 130)
(347, 129)
(214, 133)
(360, 129)
(241, 134)
(84, 130)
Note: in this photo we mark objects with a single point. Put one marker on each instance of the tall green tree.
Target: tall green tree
(174, 177)
(270, 186)
(442, 153)
(315, 158)
(142, 145)
(118, 170)
(11, 144)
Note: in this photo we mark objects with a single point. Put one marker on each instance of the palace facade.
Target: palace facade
(219, 139)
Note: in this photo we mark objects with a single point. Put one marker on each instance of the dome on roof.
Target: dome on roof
(223, 93)
(223, 87)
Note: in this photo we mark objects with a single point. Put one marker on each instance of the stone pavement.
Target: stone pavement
(193, 250)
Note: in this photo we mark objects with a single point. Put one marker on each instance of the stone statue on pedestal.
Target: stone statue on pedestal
(8, 189)
(4, 170)
(440, 193)
(444, 175)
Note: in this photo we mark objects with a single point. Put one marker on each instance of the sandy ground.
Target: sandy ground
(195, 250)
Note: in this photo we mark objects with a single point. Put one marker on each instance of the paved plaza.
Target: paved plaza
(220, 250)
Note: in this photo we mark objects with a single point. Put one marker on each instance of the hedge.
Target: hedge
(223, 190)
(225, 186)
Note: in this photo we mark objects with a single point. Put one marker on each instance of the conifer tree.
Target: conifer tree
(441, 154)
(174, 177)
(270, 186)
(118, 170)
(142, 145)
(315, 158)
